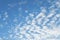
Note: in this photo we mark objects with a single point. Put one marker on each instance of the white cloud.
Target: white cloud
(36, 32)
(31, 30)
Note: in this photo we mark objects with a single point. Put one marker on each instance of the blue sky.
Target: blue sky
(15, 13)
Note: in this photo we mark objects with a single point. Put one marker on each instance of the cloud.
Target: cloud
(31, 28)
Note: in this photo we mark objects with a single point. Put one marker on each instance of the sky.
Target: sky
(29, 19)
